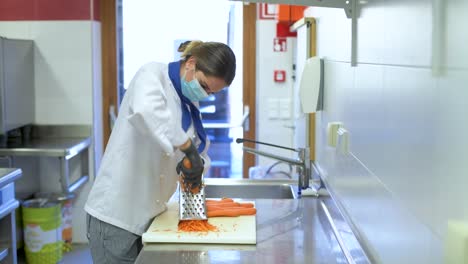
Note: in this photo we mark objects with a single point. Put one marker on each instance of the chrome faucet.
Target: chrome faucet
(302, 162)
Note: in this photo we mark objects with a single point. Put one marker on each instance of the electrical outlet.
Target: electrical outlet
(456, 243)
(342, 141)
(273, 108)
(332, 135)
(285, 108)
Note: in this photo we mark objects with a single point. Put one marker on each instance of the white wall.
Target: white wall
(404, 106)
(67, 67)
(151, 27)
(271, 125)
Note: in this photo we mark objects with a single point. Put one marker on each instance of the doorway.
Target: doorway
(151, 33)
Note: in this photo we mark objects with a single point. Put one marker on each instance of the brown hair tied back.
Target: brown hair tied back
(213, 58)
(187, 46)
(183, 45)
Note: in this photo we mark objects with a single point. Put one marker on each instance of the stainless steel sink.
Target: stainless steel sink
(249, 189)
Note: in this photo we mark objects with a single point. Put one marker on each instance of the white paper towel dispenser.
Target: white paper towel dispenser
(311, 86)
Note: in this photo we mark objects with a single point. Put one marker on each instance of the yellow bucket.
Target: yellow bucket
(42, 231)
(65, 200)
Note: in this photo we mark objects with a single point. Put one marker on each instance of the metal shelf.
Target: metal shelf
(3, 253)
(8, 208)
(7, 214)
(8, 175)
(48, 147)
(62, 142)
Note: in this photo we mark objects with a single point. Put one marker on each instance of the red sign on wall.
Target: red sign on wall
(279, 75)
(267, 11)
(279, 44)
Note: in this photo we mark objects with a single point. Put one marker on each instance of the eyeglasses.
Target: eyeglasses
(205, 86)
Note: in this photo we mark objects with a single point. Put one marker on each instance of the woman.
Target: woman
(157, 118)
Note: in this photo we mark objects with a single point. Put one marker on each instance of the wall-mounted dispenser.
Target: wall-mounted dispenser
(311, 86)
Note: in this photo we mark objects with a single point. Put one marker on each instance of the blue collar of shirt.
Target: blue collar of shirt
(186, 104)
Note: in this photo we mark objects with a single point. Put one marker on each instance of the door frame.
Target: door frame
(249, 80)
(109, 63)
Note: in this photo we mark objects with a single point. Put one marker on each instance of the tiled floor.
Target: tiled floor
(79, 255)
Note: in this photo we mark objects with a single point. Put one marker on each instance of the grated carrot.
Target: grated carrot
(196, 226)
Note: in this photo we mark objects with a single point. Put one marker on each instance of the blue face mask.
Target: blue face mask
(193, 90)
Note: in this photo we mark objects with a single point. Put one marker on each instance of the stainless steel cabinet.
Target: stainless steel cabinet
(16, 83)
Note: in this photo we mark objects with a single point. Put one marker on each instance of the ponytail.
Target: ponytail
(187, 47)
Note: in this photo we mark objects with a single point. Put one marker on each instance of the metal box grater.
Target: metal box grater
(192, 206)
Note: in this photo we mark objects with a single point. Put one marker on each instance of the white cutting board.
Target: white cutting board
(232, 230)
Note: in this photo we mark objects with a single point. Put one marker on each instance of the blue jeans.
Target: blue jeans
(111, 244)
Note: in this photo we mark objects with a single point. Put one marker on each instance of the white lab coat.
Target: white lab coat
(138, 170)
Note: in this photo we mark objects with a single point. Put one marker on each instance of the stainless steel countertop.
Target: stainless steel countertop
(49, 147)
(8, 175)
(288, 231)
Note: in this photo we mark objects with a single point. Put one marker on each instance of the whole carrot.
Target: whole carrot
(218, 208)
(232, 212)
(224, 205)
(187, 164)
(224, 200)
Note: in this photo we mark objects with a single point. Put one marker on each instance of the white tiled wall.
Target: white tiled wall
(404, 106)
(67, 91)
(63, 72)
